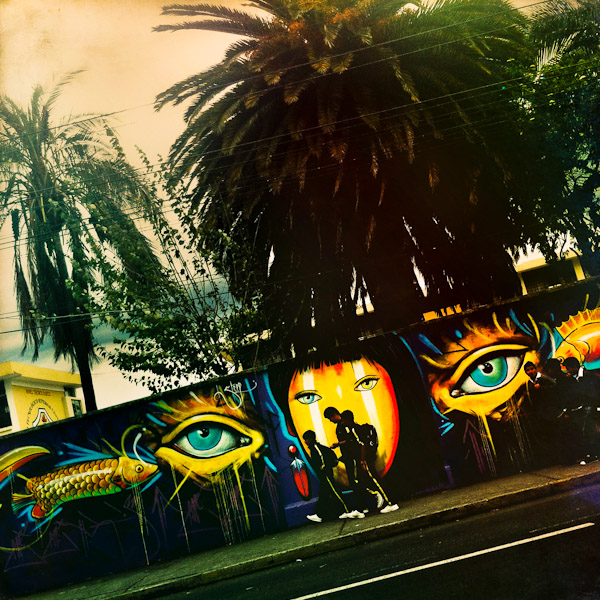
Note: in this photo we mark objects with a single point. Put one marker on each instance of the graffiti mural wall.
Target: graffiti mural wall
(498, 384)
(331, 436)
(128, 486)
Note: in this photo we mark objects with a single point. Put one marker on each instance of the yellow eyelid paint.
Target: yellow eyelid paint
(476, 356)
(365, 379)
(209, 418)
(209, 469)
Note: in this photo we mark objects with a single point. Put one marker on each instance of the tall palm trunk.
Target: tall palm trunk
(85, 372)
(77, 332)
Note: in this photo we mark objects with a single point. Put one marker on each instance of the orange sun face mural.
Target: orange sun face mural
(362, 386)
(581, 338)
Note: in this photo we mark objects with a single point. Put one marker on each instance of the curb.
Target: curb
(184, 583)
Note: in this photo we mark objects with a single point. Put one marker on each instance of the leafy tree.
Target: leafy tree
(564, 101)
(341, 144)
(70, 196)
(178, 321)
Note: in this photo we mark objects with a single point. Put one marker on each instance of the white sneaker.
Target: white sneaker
(389, 508)
(355, 514)
(315, 518)
(380, 500)
(345, 516)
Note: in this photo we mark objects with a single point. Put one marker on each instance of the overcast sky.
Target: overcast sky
(125, 66)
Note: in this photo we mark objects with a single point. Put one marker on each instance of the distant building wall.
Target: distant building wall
(537, 275)
(225, 461)
(32, 396)
(37, 406)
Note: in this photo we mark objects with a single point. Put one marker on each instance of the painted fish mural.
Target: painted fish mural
(75, 482)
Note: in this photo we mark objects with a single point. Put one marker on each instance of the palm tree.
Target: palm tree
(67, 190)
(347, 146)
(572, 25)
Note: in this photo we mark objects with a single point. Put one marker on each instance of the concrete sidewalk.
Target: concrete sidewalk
(313, 539)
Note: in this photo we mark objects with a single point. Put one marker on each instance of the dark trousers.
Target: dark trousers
(330, 504)
(363, 481)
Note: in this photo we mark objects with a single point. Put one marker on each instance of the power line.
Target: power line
(333, 56)
(306, 276)
(212, 278)
(395, 108)
(371, 47)
(162, 166)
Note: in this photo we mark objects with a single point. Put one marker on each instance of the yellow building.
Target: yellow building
(537, 275)
(32, 396)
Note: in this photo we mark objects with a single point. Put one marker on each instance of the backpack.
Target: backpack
(368, 436)
(329, 457)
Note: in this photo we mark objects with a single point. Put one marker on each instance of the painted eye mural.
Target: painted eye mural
(366, 384)
(203, 436)
(483, 381)
(478, 370)
(361, 386)
(204, 445)
(307, 397)
(208, 438)
(213, 438)
(475, 376)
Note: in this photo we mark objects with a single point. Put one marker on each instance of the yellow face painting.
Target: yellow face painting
(208, 434)
(361, 386)
(483, 375)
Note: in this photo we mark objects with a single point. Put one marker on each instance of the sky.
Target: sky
(125, 65)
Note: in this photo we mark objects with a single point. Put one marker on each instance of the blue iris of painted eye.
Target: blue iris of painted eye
(206, 437)
(307, 397)
(207, 440)
(489, 374)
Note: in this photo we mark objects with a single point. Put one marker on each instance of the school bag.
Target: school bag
(368, 436)
(329, 457)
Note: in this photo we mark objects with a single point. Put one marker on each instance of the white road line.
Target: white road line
(444, 562)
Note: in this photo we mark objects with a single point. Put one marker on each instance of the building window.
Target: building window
(76, 404)
(542, 278)
(4, 409)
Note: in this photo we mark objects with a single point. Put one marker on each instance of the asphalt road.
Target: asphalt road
(547, 549)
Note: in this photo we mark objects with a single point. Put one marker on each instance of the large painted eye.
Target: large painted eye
(366, 384)
(489, 374)
(203, 445)
(207, 439)
(307, 397)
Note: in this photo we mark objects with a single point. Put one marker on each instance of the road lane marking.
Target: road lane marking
(446, 561)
